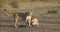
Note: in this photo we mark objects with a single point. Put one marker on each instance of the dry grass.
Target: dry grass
(48, 22)
(26, 3)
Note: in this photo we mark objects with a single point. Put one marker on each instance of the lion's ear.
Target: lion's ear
(30, 12)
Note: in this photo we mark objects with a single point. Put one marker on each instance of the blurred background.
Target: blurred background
(38, 7)
(47, 12)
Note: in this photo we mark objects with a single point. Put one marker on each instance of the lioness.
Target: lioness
(34, 21)
(26, 16)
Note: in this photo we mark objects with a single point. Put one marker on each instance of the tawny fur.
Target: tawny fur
(26, 16)
(34, 22)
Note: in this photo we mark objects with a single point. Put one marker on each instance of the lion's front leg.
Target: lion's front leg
(28, 21)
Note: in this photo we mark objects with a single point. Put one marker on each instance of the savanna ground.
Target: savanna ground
(47, 22)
